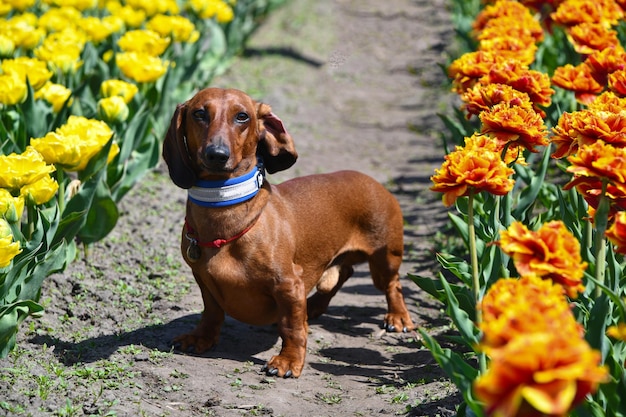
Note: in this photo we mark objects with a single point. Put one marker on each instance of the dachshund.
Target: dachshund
(258, 250)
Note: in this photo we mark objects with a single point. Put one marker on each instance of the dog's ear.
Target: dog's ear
(276, 146)
(175, 152)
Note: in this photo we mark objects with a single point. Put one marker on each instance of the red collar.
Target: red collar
(217, 243)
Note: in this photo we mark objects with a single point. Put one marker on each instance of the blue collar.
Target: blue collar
(227, 192)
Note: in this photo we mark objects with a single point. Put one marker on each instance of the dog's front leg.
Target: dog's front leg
(207, 332)
(290, 296)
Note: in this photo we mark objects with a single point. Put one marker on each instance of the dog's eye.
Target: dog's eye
(242, 117)
(200, 115)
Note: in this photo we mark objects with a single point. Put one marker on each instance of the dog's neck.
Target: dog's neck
(227, 192)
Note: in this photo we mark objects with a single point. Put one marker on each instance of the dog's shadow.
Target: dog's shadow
(238, 341)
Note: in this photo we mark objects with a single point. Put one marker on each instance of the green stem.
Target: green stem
(475, 278)
(601, 221)
(61, 194)
(31, 217)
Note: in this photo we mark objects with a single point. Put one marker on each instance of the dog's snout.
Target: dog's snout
(217, 155)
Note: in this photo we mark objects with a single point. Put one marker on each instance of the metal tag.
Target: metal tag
(193, 252)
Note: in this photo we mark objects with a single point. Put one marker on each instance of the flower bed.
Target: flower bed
(86, 90)
(537, 177)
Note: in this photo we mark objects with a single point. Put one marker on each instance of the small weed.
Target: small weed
(385, 389)
(179, 374)
(130, 350)
(330, 383)
(157, 356)
(400, 398)
(248, 366)
(237, 383)
(68, 410)
(259, 410)
(329, 398)
(44, 384)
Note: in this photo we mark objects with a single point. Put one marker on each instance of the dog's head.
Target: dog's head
(218, 134)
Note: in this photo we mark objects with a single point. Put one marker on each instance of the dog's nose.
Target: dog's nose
(217, 155)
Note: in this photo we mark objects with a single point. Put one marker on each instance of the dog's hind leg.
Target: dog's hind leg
(330, 283)
(384, 267)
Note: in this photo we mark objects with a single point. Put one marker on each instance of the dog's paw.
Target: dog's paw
(283, 367)
(194, 343)
(398, 323)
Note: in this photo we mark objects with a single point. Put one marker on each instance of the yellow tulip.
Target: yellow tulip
(8, 250)
(11, 208)
(94, 135)
(63, 150)
(55, 94)
(21, 5)
(35, 70)
(18, 170)
(133, 18)
(178, 27)
(100, 29)
(7, 46)
(143, 41)
(57, 19)
(62, 49)
(113, 109)
(40, 192)
(121, 88)
(13, 89)
(23, 31)
(141, 67)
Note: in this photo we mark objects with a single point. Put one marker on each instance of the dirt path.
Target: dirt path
(358, 86)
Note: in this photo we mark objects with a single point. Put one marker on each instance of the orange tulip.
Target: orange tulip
(534, 83)
(617, 232)
(579, 80)
(551, 252)
(591, 190)
(608, 102)
(602, 63)
(574, 12)
(472, 168)
(518, 26)
(469, 68)
(501, 9)
(589, 37)
(617, 82)
(510, 47)
(538, 375)
(599, 160)
(482, 97)
(516, 126)
(515, 307)
(617, 332)
(586, 127)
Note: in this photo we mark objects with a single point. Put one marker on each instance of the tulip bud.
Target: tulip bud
(113, 109)
(7, 46)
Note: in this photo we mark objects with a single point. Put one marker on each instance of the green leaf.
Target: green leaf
(460, 317)
(436, 289)
(101, 217)
(459, 371)
(597, 325)
(459, 267)
(461, 226)
(11, 316)
(528, 195)
(74, 216)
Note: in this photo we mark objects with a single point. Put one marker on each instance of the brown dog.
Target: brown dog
(257, 250)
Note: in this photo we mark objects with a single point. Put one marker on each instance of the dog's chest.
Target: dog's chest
(236, 287)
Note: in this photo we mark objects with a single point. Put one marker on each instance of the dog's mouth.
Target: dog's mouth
(211, 171)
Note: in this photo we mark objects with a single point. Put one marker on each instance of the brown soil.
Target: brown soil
(358, 85)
